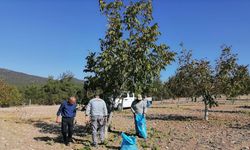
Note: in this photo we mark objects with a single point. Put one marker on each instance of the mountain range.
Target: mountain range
(23, 79)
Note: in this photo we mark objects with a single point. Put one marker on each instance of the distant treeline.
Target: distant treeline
(198, 78)
(193, 79)
(53, 92)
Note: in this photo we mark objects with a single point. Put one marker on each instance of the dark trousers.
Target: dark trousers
(67, 129)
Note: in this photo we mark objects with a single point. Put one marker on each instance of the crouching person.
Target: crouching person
(68, 112)
(97, 111)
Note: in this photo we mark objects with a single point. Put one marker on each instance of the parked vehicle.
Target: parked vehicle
(124, 100)
(149, 101)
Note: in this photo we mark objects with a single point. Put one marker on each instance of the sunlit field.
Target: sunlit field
(170, 126)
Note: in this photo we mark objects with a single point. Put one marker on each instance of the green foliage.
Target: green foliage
(197, 78)
(172, 86)
(130, 58)
(144, 144)
(34, 94)
(248, 86)
(194, 78)
(204, 82)
(9, 95)
(182, 84)
(54, 91)
(159, 90)
(231, 78)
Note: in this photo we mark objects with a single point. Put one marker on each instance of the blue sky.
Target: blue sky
(48, 37)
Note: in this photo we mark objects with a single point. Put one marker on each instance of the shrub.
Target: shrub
(9, 95)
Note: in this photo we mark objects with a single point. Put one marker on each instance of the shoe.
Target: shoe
(94, 145)
(66, 143)
(71, 140)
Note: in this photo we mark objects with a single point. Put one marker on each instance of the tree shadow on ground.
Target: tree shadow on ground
(79, 131)
(218, 111)
(58, 139)
(82, 141)
(227, 111)
(120, 132)
(244, 107)
(52, 128)
(113, 147)
(159, 107)
(239, 126)
(172, 117)
(49, 140)
(46, 127)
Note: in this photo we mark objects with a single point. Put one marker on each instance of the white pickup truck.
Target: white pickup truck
(124, 100)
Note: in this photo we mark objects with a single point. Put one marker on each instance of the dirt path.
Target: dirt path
(169, 127)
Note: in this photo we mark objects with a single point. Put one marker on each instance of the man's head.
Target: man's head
(72, 100)
(139, 97)
(98, 93)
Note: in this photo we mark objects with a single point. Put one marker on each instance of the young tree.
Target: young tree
(33, 94)
(172, 85)
(197, 78)
(194, 78)
(204, 84)
(52, 90)
(130, 57)
(58, 89)
(248, 85)
(182, 83)
(9, 95)
(231, 78)
(158, 90)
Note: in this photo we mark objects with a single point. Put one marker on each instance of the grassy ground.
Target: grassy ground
(170, 126)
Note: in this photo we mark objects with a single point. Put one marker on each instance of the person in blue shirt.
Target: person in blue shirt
(68, 112)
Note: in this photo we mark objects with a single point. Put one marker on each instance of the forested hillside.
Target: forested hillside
(23, 79)
(20, 79)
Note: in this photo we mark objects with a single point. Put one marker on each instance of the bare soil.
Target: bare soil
(170, 126)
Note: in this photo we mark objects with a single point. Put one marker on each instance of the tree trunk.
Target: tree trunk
(233, 101)
(206, 111)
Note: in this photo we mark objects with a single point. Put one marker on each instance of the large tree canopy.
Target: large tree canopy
(130, 57)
